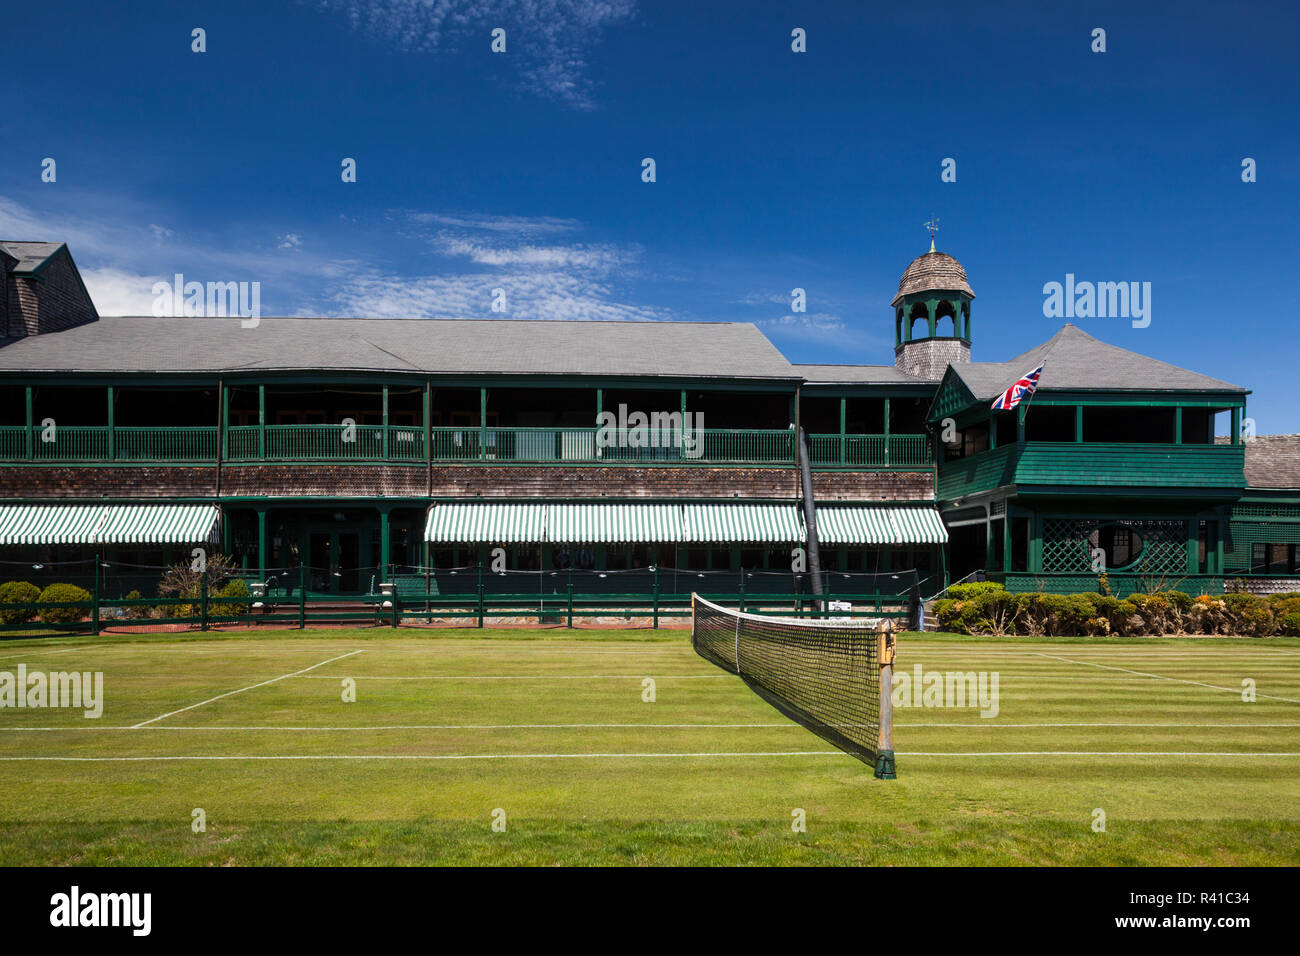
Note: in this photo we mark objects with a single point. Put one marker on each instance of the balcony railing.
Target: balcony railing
(902, 451)
(411, 443)
(93, 443)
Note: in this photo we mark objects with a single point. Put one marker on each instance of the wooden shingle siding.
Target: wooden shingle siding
(456, 481)
(51, 302)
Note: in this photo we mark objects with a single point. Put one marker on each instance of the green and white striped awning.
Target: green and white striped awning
(486, 522)
(159, 524)
(853, 524)
(107, 524)
(742, 523)
(608, 523)
(50, 524)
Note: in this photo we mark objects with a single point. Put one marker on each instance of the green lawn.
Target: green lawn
(550, 726)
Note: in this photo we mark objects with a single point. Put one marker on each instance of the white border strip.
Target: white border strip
(145, 723)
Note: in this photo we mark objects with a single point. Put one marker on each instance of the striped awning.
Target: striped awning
(741, 523)
(159, 524)
(50, 524)
(605, 523)
(107, 524)
(486, 522)
(851, 524)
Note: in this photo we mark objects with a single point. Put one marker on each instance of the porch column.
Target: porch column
(223, 423)
(384, 414)
(30, 436)
(1178, 425)
(1021, 409)
(1078, 423)
(843, 422)
(1236, 426)
(931, 307)
(112, 428)
(886, 431)
(261, 541)
(428, 420)
(600, 407)
(261, 421)
(385, 537)
(482, 424)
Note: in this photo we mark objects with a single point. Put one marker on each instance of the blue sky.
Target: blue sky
(775, 170)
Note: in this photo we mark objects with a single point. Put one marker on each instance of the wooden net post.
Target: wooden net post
(886, 647)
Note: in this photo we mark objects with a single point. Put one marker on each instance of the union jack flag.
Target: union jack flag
(1024, 387)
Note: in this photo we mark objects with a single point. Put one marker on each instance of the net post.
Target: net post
(886, 648)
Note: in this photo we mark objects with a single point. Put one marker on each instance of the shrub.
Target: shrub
(136, 611)
(1249, 614)
(960, 592)
(17, 592)
(1291, 624)
(235, 588)
(57, 593)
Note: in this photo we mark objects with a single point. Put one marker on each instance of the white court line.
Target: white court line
(626, 756)
(989, 725)
(1177, 680)
(145, 723)
(642, 676)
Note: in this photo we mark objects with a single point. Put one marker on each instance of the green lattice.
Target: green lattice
(1066, 547)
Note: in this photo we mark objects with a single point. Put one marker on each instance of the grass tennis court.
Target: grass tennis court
(550, 726)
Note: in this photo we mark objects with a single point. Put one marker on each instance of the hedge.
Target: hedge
(988, 608)
(17, 592)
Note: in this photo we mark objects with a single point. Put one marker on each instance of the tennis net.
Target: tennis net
(824, 675)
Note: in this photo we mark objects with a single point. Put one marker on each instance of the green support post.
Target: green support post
(94, 598)
(742, 589)
(112, 428)
(482, 430)
(261, 421)
(261, 543)
(480, 592)
(843, 422)
(384, 414)
(302, 596)
(1078, 423)
(224, 438)
(570, 593)
(203, 600)
(1178, 425)
(886, 427)
(428, 422)
(1236, 426)
(385, 536)
(31, 437)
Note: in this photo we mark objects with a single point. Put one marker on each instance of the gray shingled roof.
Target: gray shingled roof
(30, 255)
(1073, 360)
(858, 375)
(1272, 461)
(933, 271)
(456, 346)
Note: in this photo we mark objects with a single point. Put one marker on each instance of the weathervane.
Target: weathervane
(933, 226)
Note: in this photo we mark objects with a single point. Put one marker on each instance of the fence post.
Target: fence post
(203, 601)
(742, 589)
(302, 596)
(480, 605)
(94, 597)
(570, 590)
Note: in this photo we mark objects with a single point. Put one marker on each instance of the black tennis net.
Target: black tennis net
(824, 675)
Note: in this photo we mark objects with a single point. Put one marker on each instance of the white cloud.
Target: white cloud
(550, 38)
(290, 241)
(120, 292)
(586, 258)
(515, 225)
(814, 325)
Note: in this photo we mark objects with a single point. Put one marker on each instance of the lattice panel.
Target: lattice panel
(1066, 548)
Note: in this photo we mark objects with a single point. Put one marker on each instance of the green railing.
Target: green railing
(894, 451)
(325, 443)
(245, 443)
(93, 443)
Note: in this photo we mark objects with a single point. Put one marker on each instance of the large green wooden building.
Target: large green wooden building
(340, 452)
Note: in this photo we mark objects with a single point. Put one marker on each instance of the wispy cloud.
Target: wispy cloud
(550, 38)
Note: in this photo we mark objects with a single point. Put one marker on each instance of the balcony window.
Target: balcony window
(1120, 545)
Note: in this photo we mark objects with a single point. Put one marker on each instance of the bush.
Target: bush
(57, 593)
(1291, 624)
(135, 611)
(235, 588)
(961, 592)
(17, 592)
